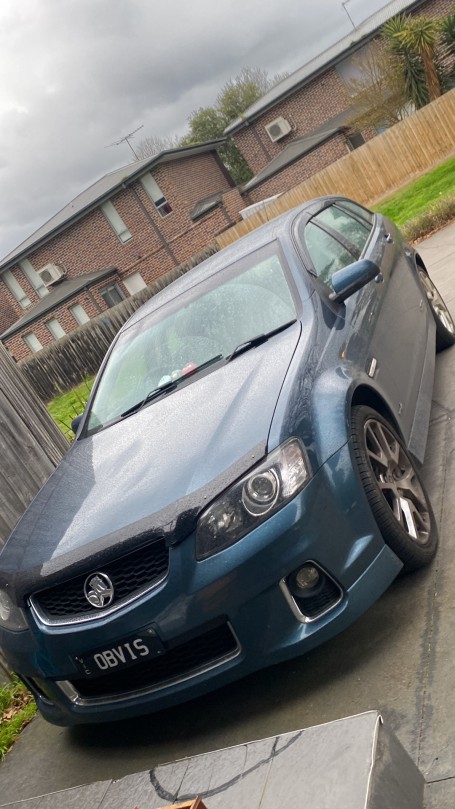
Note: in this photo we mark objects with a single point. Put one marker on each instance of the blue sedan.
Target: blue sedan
(245, 478)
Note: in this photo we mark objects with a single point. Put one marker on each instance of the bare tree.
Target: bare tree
(378, 94)
(154, 144)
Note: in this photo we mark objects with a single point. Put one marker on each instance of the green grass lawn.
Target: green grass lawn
(17, 708)
(67, 406)
(420, 195)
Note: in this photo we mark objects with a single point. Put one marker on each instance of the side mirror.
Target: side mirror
(75, 423)
(352, 278)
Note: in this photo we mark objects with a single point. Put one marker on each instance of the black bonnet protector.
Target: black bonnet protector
(174, 523)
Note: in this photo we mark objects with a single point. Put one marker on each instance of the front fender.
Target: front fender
(317, 408)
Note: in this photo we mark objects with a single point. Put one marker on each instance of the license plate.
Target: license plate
(127, 652)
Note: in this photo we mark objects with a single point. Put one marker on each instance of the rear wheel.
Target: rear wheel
(445, 327)
(394, 489)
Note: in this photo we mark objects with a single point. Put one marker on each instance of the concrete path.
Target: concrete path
(399, 659)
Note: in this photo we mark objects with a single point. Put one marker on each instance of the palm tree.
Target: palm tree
(447, 28)
(415, 41)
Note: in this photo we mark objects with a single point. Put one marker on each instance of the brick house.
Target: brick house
(117, 236)
(302, 124)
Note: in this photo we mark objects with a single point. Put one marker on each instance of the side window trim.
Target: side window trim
(353, 215)
(335, 234)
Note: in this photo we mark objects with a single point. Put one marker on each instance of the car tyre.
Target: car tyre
(394, 489)
(445, 326)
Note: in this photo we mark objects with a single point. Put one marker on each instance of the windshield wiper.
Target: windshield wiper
(256, 341)
(169, 386)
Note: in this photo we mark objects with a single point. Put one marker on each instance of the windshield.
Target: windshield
(206, 323)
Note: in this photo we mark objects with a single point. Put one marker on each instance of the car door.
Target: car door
(387, 316)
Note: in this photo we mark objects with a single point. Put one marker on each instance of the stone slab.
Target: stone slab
(354, 762)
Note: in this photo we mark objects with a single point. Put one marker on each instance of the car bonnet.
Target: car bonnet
(152, 473)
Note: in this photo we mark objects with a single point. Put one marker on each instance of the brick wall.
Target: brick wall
(306, 110)
(299, 171)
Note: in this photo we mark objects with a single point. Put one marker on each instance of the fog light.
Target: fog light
(307, 576)
(306, 581)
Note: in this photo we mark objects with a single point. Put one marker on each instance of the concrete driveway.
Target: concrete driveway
(399, 658)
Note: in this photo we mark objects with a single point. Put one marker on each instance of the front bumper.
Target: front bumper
(221, 618)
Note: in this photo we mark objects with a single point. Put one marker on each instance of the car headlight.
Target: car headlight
(252, 499)
(11, 617)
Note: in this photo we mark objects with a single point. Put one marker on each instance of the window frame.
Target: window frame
(33, 277)
(49, 328)
(350, 140)
(127, 278)
(162, 201)
(12, 283)
(302, 220)
(30, 347)
(107, 289)
(112, 217)
(71, 311)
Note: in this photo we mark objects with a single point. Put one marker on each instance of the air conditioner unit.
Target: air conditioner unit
(50, 273)
(278, 128)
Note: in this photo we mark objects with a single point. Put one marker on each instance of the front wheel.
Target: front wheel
(445, 327)
(394, 489)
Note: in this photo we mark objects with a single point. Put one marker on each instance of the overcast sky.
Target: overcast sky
(77, 75)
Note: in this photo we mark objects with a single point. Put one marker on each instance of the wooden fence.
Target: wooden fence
(31, 445)
(68, 362)
(374, 170)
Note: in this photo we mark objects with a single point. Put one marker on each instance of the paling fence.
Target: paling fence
(31, 445)
(373, 171)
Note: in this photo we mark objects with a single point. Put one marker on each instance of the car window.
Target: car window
(349, 227)
(363, 214)
(210, 320)
(326, 253)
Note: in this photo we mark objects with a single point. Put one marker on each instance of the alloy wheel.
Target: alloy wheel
(397, 480)
(437, 304)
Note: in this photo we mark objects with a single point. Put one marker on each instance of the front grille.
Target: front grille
(130, 575)
(183, 660)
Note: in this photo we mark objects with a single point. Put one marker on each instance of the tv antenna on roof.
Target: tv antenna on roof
(343, 3)
(126, 138)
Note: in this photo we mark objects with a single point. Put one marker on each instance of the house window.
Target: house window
(355, 140)
(15, 288)
(79, 314)
(55, 328)
(134, 283)
(116, 222)
(33, 277)
(32, 341)
(155, 193)
(112, 295)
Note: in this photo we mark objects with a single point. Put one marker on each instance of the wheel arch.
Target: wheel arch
(419, 262)
(365, 395)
